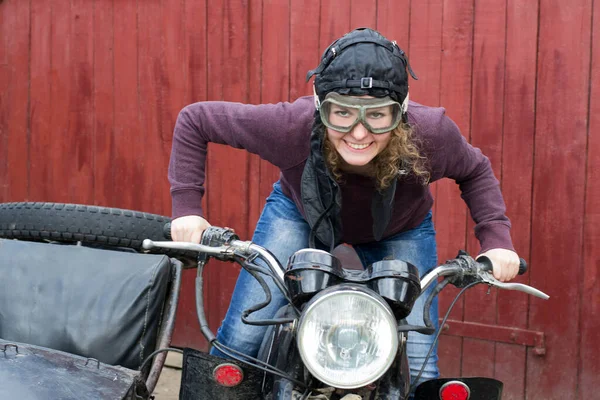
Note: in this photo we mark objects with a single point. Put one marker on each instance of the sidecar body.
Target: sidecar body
(79, 322)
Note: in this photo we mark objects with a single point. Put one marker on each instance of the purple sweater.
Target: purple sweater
(279, 133)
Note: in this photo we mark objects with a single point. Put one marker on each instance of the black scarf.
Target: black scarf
(322, 199)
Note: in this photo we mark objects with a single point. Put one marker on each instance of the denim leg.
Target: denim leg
(418, 247)
(282, 230)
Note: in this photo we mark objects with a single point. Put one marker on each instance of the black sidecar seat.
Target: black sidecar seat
(95, 303)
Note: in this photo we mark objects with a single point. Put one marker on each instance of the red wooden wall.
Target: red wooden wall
(90, 90)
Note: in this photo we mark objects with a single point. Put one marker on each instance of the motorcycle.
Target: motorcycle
(342, 333)
(64, 347)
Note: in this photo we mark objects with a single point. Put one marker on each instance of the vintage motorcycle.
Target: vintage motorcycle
(342, 334)
(94, 319)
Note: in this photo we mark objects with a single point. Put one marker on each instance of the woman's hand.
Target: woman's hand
(505, 262)
(188, 228)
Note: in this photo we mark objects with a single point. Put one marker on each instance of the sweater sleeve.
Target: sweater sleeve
(278, 133)
(453, 157)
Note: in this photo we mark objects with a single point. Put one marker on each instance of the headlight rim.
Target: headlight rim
(361, 291)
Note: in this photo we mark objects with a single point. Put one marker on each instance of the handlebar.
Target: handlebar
(224, 252)
(463, 267)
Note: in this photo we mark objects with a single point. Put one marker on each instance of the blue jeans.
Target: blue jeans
(282, 230)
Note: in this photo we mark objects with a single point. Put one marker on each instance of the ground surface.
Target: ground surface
(170, 379)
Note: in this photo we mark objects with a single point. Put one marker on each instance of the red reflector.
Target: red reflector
(228, 375)
(454, 390)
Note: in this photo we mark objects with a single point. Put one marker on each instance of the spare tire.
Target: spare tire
(104, 226)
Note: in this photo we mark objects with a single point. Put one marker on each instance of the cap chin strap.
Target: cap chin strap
(405, 104)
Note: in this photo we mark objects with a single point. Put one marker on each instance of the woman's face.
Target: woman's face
(359, 146)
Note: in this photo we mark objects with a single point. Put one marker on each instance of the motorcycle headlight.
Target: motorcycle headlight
(347, 337)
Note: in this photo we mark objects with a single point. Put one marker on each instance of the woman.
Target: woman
(356, 171)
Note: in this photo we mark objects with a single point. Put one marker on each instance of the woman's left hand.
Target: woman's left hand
(505, 262)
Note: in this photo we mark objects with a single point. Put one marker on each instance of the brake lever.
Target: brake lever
(488, 278)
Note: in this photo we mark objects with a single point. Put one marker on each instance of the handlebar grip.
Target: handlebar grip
(167, 231)
(522, 266)
(487, 263)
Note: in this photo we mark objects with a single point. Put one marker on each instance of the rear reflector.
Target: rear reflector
(454, 390)
(228, 375)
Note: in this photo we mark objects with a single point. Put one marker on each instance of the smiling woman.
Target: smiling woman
(359, 132)
(359, 143)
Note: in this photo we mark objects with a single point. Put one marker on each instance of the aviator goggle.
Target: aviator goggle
(379, 115)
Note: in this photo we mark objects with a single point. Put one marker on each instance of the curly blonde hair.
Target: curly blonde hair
(401, 156)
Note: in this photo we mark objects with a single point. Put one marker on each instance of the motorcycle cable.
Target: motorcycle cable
(256, 363)
(255, 270)
(211, 338)
(151, 356)
(437, 289)
(242, 260)
(313, 229)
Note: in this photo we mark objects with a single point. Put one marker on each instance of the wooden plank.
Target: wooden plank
(103, 102)
(517, 170)
(276, 73)
(393, 20)
(187, 330)
(304, 54)
(4, 22)
(151, 75)
(455, 95)
(14, 101)
(590, 293)
(4, 103)
(335, 22)
(78, 169)
(41, 99)
(486, 133)
(4, 171)
(363, 14)
(450, 353)
(473, 366)
(254, 97)
(558, 194)
(195, 48)
(173, 81)
(227, 188)
(425, 57)
(126, 165)
(519, 118)
(510, 368)
(52, 163)
(425, 53)
(216, 306)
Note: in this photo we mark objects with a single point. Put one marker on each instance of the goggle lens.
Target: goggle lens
(377, 116)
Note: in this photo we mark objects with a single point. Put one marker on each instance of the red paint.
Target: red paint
(590, 290)
(455, 95)
(89, 94)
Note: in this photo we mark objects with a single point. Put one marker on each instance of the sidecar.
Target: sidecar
(79, 322)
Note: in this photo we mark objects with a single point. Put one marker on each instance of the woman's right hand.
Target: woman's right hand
(188, 228)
